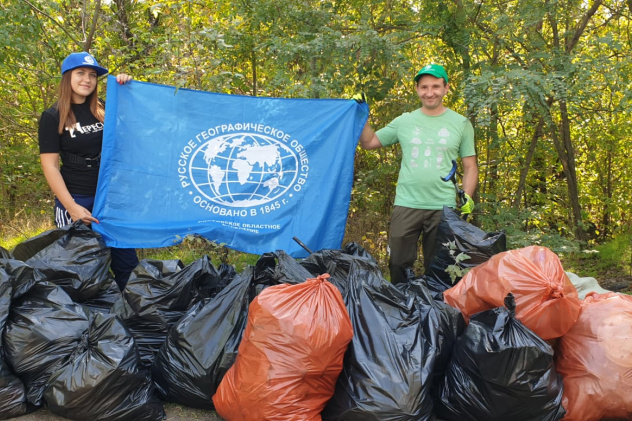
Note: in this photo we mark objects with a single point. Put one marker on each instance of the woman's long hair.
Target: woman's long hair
(66, 116)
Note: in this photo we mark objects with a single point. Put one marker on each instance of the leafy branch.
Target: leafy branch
(456, 270)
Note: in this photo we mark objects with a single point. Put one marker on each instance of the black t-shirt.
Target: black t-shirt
(83, 140)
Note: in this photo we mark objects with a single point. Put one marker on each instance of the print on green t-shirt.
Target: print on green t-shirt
(429, 144)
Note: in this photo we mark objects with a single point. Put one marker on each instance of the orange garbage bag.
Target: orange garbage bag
(290, 356)
(595, 360)
(546, 300)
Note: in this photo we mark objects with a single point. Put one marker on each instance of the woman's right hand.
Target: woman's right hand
(78, 212)
(50, 166)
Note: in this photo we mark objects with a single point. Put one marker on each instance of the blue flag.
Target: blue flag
(246, 172)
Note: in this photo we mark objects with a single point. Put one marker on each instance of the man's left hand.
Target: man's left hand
(468, 206)
(359, 97)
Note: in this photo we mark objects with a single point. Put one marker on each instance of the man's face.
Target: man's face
(431, 91)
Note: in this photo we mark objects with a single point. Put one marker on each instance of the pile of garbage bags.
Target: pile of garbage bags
(325, 337)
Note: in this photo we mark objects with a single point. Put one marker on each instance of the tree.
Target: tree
(545, 83)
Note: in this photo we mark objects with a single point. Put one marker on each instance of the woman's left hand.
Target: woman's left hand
(123, 78)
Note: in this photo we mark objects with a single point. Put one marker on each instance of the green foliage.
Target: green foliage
(613, 257)
(193, 247)
(526, 227)
(456, 270)
(372, 198)
(24, 190)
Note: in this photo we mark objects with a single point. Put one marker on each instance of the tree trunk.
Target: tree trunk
(607, 191)
(566, 154)
(93, 26)
(490, 177)
(524, 171)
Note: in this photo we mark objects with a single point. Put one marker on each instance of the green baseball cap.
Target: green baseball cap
(433, 70)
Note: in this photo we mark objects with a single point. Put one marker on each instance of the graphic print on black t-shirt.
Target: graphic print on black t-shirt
(84, 139)
(78, 129)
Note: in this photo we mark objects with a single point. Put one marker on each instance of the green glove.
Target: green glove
(468, 207)
(359, 97)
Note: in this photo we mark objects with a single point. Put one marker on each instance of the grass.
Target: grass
(17, 230)
(194, 247)
(190, 249)
(610, 259)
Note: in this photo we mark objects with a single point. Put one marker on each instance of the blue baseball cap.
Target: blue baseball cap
(82, 59)
(433, 70)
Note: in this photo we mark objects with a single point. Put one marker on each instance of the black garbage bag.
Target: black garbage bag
(456, 236)
(388, 366)
(279, 268)
(158, 294)
(21, 276)
(13, 401)
(43, 328)
(355, 249)
(224, 275)
(104, 302)
(442, 321)
(5, 254)
(34, 245)
(73, 257)
(338, 264)
(103, 378)
(203, 345)
(500, 371)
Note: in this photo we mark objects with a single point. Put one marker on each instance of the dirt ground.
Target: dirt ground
(174, 413)
(621, 283)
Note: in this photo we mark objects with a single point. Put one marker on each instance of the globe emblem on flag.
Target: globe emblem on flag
(243, 169)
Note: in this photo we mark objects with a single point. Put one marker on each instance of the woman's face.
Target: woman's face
(83, 81)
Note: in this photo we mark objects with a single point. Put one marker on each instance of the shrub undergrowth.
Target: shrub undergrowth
(608, 258)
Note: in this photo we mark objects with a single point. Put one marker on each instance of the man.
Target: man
(430, 138)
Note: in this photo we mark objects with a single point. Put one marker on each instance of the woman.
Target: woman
(72, 130)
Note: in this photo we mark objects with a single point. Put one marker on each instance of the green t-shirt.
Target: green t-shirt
(429, 144)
